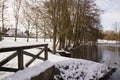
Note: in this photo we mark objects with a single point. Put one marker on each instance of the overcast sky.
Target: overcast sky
(111, 12)
(108, 18)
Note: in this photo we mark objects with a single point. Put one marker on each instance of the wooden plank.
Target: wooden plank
(39, 48)
(20, 60)
(8, 59)
(8, 69)
(31, 55)
(21, 47)
(46, 52)
(35, 58)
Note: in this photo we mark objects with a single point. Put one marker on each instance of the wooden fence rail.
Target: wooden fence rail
(20, 52)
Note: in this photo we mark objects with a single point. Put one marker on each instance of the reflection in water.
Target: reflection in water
(100, 53)
(86, 52)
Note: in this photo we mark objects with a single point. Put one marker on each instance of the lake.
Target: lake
(102, 53)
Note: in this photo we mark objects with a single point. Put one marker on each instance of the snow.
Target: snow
(9, 42)
(89, 68)
(62, 50)
(71, 69)
(107, 41)
(28, 73)
(55, 58)
(111, 43)
(78, 69)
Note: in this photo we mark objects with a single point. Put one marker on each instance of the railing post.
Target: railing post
(46, 52)
(20, 60)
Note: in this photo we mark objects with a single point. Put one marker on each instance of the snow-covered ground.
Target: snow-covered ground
(111, 43)
(78, 69)
(89, 68)
(71, 69)
(28, 73)
(107, 41)
(9, 42)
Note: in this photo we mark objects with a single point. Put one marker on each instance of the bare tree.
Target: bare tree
(25, 19)
(3, 6)
(116, 27)
(74, 18)
(34, 15)
(69, 22)
(17, 5)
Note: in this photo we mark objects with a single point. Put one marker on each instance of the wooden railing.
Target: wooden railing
(20, 52)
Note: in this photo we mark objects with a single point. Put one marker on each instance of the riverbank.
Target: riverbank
(84, 67)
(108, 41)
(67, 69)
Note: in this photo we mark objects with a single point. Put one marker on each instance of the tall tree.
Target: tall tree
(25, 19)
(69, 22)
(73, 18)
(116, 27)
(3, 7)
(17, 5)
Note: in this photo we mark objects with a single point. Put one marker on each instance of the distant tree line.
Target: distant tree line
(113, 34)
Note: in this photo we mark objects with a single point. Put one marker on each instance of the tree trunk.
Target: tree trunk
(28, 34)
(16, 28)
(3, 7)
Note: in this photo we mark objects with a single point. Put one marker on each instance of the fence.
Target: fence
(20, 52)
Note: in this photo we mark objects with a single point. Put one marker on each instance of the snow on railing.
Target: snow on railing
(20, 51)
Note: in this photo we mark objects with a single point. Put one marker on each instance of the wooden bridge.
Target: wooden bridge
(20, 52)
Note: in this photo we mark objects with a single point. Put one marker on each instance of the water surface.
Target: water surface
(101, 53)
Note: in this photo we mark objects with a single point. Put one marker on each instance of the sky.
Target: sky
(111, 13)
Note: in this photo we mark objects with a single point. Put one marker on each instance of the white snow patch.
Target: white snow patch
(62, 50)
(28, 73)
(107, 41)
(71, 69)
(9, 42)
(78, 69)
